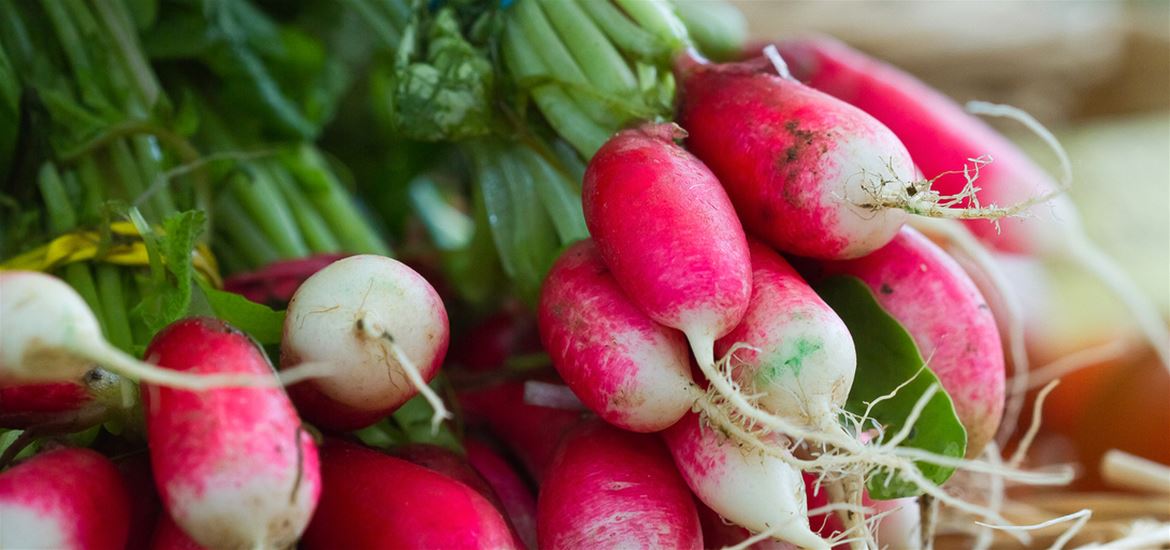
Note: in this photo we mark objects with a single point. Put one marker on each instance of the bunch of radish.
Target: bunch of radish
(685, 380)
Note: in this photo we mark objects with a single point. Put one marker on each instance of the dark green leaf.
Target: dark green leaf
(886, 358)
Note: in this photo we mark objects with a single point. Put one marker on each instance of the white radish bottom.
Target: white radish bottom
(755, 491)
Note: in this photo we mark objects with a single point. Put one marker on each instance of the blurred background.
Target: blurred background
(1098, 75)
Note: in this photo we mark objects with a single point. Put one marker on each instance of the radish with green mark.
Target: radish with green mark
(378, 328)
(233, 466)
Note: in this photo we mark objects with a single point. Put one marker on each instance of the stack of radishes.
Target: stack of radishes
(713, 377)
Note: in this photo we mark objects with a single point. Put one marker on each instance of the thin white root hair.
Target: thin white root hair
(1147, 318)
(984, 108)
(1075, 361)
(778, 62)
(117, 361)
(995, 497)
(305, 371)
(962, 238)
(1079, 519)
(1033, 428)
(412, 373)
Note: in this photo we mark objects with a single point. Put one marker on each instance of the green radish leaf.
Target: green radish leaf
(258, 320)
(170, 294)
(887, 358)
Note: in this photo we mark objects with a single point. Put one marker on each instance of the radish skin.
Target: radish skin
(802, 358)
(938, 304)
(380, 328)
(64, 499)
(517, 499)
(372, 500)
(760, 493)
(609, 488)
(631, 371)
(233, 466)
(798, 164)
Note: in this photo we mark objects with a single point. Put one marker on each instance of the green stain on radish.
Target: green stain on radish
(793, 362)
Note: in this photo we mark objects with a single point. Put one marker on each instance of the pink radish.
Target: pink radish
(761, 493)
(668, 233)
(276, 283)
(608, 488)
(233, 466)
(940, 136)
(802, 359)
(896, 529)
(381, 331)
(144, 502)
(49, 334)
(64, 499)
(631, 371)
(939, 305)
(517, 499)
(372, 500)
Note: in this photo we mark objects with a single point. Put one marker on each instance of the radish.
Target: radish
(531, 432)
(609, 488)
(938, 304)
(144, 503)
(233, 466)
(49, 334)
(801, 360)
(808, 173)
(940, 136)
(372, 500)
(761, 493)
(896, 529)
(276, 282)
(169, 536)
(55, 406)
(631, 371)
(64, 499)
(379, 327)
(669, 235)
(517, 499)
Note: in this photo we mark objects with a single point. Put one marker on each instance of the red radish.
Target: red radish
(631, 371)
(372, 500)
(531, 432)
(609, 488)
(49, 334)
(379, 327)
(169, 536)
(802, 360)
(64, 499)
(718, 533)
(518, 500)
(446, 462)
(668, 233)
(276, 283)
(233, 466)
(761, 493)
(144, 502)
(938, 304)
(940, 136)
(799, 165)
(66, 406)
